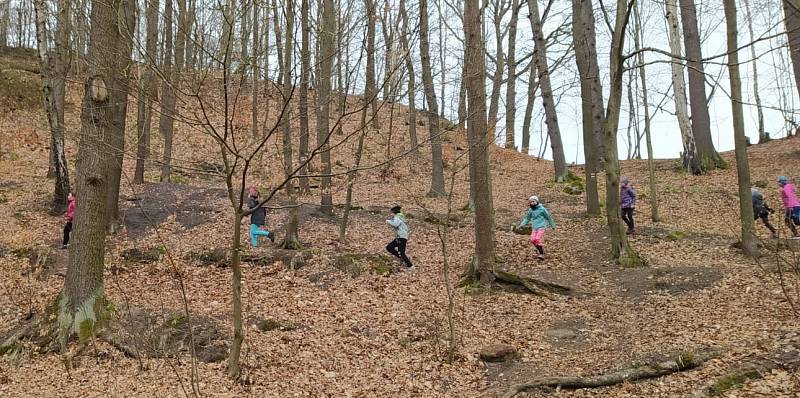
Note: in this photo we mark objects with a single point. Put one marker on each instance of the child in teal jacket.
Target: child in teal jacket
(540, 219)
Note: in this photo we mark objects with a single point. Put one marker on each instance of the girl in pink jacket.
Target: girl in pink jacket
(70, 215)
(791, 205)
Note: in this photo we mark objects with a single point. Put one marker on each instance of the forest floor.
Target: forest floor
(331, 327)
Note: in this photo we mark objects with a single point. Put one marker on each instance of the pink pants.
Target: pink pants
(537, 236)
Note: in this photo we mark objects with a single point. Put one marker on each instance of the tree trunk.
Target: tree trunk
(690, 159)
(763, 136)
(291, 240)
(749, 241)
(645, 100)
(82, 307)
(551, 116)
(482, 265)
(437, 166)
(412, 82)
(701, 123)
(305, 71)
(500, 65)
(462, 98)
(791, 11)
(327, 52)
(54, 67)
(526, 120)
(257, 53)
(119, 98)
(148, 91)
(244, 37)
(511, 102)
(621, 250)
(165, 121)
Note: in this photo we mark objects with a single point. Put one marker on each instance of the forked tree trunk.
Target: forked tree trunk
(481, 268)
(621, 251)
(551, 116)
(327, 52)
(511, 102)
(412, 80)
(437, 166)
(148, 91)
(749, 241)
(708, 157)
(690, 159)
(165, 121)
(82, 306)
(54, 67)
(651, 170)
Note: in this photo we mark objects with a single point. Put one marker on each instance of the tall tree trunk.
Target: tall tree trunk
(482, 265)
(82, 306)
(701, 123)
(291, 241)
(327, 52)
(119, 98)
(412, 80)
(165, 121)
(511, 102)
(551, 116)
(148, 93)
(621, 250)
(437, 166)
(54, 67)
(763, 136)
(257, 54)
(462, 98)
(500, 64)
(305, 72)
(4, 23)
(651, 170)
(749, 241)
(690, 159)
(526, 120)
(244, 37)
(791, 11)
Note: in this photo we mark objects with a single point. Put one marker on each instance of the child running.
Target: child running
(68, 218)
(540, 219)
(791, 206)
(397, 247)
(762, 211)
(627, 204)
(258, 218)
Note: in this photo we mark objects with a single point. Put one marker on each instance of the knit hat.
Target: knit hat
(253, 191)
(533, 198)
(783, 180)
(395, 209)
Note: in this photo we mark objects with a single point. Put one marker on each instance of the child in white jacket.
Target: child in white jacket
(397, 247)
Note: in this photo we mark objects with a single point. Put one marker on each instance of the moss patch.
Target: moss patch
(733, 381)
(677, 235)
(354, 264)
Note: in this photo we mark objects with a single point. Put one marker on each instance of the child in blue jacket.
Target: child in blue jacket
(540, 219)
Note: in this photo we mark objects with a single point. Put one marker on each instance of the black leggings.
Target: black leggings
(787, 218)
(627, 216)
(67, 230)
(764, 216)
(397, 248)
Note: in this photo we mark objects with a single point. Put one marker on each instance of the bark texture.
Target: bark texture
(437, 167)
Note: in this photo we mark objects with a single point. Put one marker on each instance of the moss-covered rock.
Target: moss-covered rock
(354, 264)
(141, 256)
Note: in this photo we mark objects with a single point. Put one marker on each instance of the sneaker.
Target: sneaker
(540, 257)
(412, 269)
(65, 246)
(271, 237)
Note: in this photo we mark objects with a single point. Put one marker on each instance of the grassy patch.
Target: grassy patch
(733, 381)
(677, 235)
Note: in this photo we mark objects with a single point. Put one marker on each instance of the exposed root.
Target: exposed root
(684, 361)
(532, 285)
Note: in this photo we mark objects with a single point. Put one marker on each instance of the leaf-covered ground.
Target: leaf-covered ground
(376, 335)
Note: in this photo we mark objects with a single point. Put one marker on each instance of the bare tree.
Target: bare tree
(690, 159)
(82, 306)
(482, 265)
(526, 120)
(791, 11)
(437, 166)
(147, 91)
(54, 65)
(412, 81)
(592, 107)
(701, 122)
(305, 72)
(500, 9)
(749, 242)
(551, 116)
(166, 121)
(651, 170)
(327, 52)
(511, 93)
(621, 250)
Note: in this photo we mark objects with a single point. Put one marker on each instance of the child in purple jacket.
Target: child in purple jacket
(627, 203)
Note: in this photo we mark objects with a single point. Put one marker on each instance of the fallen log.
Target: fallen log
(649, 370)
(532, 285)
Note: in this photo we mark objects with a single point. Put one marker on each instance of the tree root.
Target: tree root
(532, 285)
(684, 361)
